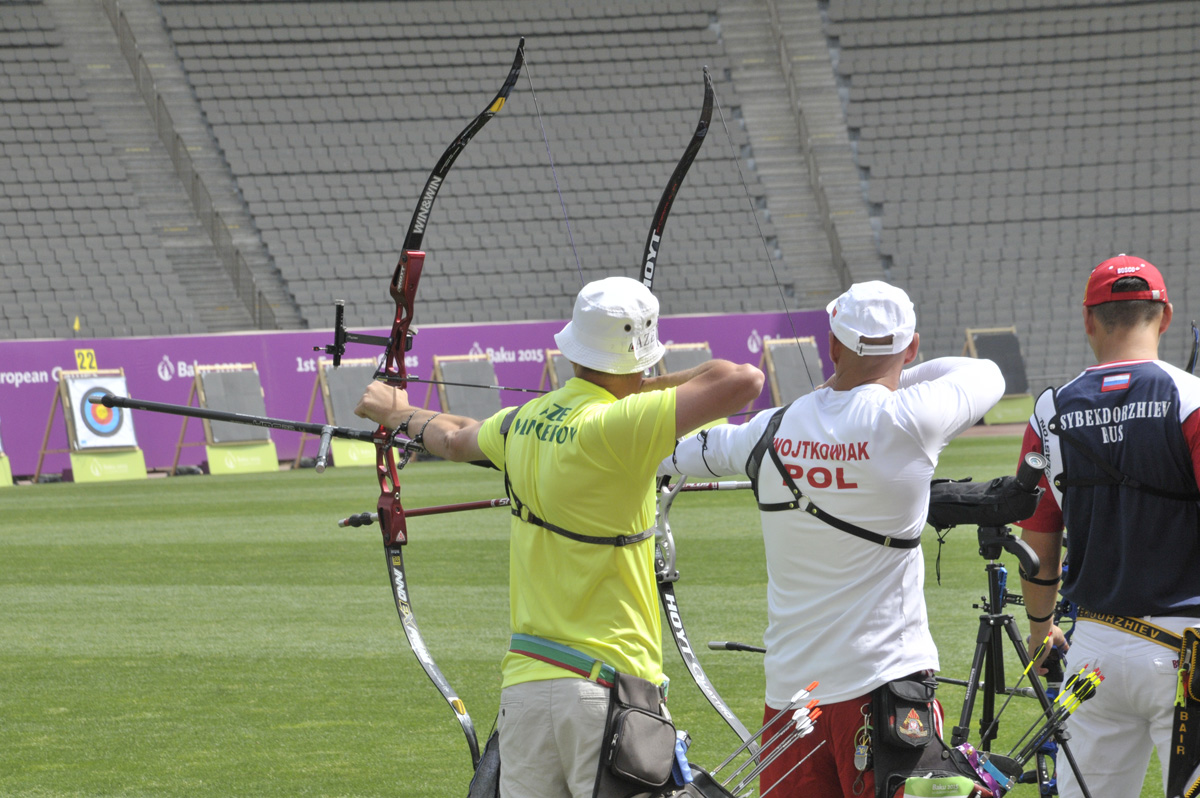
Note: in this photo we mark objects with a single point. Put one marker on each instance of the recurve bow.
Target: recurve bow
(665, 553)
(403, 289)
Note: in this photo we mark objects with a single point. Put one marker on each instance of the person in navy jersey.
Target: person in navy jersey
(1123, 442)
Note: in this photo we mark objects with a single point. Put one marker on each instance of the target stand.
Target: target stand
(464, 399)
(101, 440)
(231, 448)
(793, 367)
(6, 480)
(681, 357)
(557, 372)
(340, 389)
(1001, 345)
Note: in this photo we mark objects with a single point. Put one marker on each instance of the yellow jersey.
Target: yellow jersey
(584, 461)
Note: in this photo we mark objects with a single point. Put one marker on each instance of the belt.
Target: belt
(564, 657)
(1135, 626)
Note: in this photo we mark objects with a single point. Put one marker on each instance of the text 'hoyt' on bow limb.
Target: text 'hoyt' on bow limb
(664, 560)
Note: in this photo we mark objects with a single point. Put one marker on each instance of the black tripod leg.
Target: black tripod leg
(960, 733)
(995, 655)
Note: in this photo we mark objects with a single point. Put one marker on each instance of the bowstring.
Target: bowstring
(553, 171)
(763, 239)
(1191, 364)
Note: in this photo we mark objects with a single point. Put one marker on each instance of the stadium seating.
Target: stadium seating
(74, 239)
(1011, 145)
(331, 116)
(995, 151)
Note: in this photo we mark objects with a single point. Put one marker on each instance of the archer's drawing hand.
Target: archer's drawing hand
(384, 404)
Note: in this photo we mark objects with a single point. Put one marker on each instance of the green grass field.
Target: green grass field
(221, 636)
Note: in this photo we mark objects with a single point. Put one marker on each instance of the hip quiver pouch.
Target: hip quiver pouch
(639, 740)
(903, 725)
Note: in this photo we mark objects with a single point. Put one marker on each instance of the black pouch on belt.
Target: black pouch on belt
(902, 726)
(639, 740)
(703, 785)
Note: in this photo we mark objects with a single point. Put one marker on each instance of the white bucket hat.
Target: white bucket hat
(873, 309)
(613, 328)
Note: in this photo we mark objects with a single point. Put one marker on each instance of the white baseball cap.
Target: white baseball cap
(873, 309)
(613, 328)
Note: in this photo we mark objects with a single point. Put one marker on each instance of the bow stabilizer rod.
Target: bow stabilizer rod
(235, 418)
(324, 431)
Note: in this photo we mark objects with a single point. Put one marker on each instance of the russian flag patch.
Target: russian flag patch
(1114, 382)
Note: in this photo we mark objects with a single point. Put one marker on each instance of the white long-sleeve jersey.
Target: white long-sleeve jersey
(842, 610)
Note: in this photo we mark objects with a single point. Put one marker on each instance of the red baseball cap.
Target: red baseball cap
(1100, 283)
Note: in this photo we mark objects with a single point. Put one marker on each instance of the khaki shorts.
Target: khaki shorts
(550, 735)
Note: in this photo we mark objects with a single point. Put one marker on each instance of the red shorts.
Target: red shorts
(830, 772)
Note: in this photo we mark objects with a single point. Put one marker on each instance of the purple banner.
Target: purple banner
(163, 370)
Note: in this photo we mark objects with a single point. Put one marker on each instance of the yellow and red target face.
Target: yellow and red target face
(101, 420)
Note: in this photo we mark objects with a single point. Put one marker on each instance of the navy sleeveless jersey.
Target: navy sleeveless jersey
(1129, 552)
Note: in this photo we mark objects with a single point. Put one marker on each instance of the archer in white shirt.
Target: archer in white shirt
(845, 609)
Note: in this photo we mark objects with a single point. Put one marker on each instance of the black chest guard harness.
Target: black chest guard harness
(522, 511)
(1112, 475)
(765, 446)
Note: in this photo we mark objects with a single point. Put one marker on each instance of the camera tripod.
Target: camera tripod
(987, 665)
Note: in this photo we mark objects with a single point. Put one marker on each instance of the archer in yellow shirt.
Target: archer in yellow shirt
(580, 465)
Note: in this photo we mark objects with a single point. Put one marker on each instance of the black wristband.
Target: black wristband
(1035, 580)
(404, 424)
(420, 436)
(1036, 619)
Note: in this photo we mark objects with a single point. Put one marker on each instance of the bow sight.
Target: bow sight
(341, 337)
